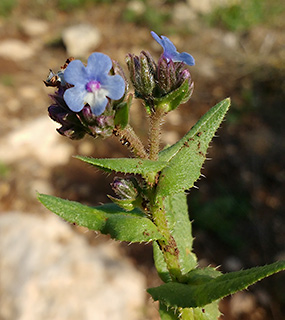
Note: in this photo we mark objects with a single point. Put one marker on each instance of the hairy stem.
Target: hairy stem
(168, 246)
(129, 138)
(154, 133)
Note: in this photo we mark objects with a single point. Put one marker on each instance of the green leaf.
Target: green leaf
(160, 264)
(108, 219)
(187, 156)
(146, 168)
(175, 294)
(167, 313)
(208, 312)
(167, 153)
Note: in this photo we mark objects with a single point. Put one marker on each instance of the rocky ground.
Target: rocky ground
(237, 211)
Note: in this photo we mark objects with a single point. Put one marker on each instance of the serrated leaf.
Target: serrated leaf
(208, 312)
(146, 168)
(108, 219)
(167, 313)
(175, 294)
(187, 156)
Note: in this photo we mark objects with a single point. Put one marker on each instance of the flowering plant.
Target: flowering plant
(150, 203)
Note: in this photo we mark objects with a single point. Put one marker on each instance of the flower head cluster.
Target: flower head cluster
(92, 84)
(83, 104)
(154, 82)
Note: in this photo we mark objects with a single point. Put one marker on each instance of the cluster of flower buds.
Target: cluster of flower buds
(87, 98)
(164, 84)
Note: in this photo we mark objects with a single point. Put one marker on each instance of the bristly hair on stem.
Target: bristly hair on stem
(129, 138)
(155, 132)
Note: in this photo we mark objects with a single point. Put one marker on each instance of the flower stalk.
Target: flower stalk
(128, 137)
(155, 132)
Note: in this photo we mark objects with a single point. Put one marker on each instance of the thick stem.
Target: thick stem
(154, 133)
(129, 138)
(168, 246)
(170, 214)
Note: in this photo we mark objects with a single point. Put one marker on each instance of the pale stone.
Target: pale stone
(50, 272)
(136, 6)
(36, 139)
(17, 50)
(206, 6)
(35, 27)
(170, 137)
(182, 13)
(80, 40)
(242, 303)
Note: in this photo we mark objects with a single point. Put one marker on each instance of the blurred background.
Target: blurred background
(238, 210)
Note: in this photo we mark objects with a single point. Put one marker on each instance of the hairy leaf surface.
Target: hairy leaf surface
(108, 219)
(186, 157)
(206, 291)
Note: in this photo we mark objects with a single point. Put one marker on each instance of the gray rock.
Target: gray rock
(80, 40)
(50, 272)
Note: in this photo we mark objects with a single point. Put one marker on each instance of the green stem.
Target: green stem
(170, 214)
(154, 133)
(167, 246)
(129, 138)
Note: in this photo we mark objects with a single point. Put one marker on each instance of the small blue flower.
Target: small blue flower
(170, 52)
(92, 84)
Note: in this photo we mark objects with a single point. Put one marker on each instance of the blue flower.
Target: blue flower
(92, 84)
(170, 52)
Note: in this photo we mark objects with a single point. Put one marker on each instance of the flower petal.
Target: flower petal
(170, 52)
(156, 38)
(74, 98)
(168, 45)
(114, 86)
(75, 73)
(186, 58)
(98, 65)
(97, 101)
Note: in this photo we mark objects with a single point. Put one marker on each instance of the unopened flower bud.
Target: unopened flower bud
(125, 188)
(142, 73)
(166, 84)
